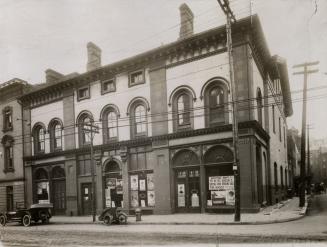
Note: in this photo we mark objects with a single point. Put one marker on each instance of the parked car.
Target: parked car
(113, 215)
(36, 213)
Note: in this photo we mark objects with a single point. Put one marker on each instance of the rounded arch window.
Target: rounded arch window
(39, 138)
(112, 166)
(138, 119)
(41, 174)
(58, 172)
(84, 126)
(113, 185)
(55, 135)
(110, 124)
(8, 147)
(182, 109)
(215, 103)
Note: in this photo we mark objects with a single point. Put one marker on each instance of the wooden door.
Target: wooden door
(59, 196)
(86, 199)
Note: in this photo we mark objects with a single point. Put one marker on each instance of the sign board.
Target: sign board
(222, 190)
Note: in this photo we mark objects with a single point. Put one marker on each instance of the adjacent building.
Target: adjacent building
(11, 151)
(163, 140)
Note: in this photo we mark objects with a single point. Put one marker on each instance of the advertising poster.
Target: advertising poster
(218, 197)
(195, 199)
(230, 197)
(151, 199)
(134, 199)
(108, 198)
(111, 183)
(119, 186)
(181, 195)
(150, 183)
(142, 184)
(134, 182)
(143, 203)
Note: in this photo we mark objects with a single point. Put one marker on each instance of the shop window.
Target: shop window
(55, 129)
(108, 86)
(42, 186)
(7, 119)
(219, 177)
(141, 181)
(215, 99)
(136, 78)
(110, 124)
(138, 119)
(8, 147)
(83, 93)
(10, 198)
(142, 189)
(84, 165)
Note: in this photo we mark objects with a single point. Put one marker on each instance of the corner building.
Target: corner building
(165, 136)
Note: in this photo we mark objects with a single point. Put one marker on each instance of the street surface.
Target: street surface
(308, 231)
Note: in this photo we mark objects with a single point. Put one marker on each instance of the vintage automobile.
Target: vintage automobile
(113, 215)
(37, 212)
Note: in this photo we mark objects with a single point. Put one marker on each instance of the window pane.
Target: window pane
(112, 124)
(216, 104)
(183, 109)
(140, 119)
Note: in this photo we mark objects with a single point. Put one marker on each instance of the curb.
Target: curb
(194, 223)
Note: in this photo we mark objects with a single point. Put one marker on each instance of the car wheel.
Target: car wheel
(3, 220)
(122, 219)
(45, 220)
(26, 220)
(107, 219)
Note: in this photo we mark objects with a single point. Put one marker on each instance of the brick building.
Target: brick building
(11, 150)
(165, 140)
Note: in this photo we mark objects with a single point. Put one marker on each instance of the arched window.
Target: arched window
(42, 189)
(216, 109)
(8, 147)
(259, 105)
(85, 121)
(275, 176)
(182, 109)
(39, 138)
(110, 124)
(137, 109)
(55, 129)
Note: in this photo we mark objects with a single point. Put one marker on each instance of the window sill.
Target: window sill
(7, 129)
(7, 170)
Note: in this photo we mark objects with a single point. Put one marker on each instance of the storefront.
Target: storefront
(113, 185)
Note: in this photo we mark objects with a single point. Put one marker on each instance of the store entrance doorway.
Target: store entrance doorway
(188, 190)
(87, 199)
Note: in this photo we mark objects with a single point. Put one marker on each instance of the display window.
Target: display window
(142, 189)
(113, 185)
(220, 186)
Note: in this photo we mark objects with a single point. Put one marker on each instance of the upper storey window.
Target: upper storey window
(55, 135)
(85, 122)
(83, 93)
(108, 86)
(136, 77)
(215, 102)
(182, 101)
(39, 138)
(8, 146)
(259, 105)
(138, 117)
(7, 119)
(110, 123)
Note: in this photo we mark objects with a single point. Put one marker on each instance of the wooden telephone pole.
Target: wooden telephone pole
(92, 129)
(305, 73)
(224, 4)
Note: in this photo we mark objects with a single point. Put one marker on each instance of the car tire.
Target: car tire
(108, 219)
(122, 219)
(45, 220)
(3, 220)
(26, 220)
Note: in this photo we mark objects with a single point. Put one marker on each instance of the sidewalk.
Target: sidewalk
(282, 212)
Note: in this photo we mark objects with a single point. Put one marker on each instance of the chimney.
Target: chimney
(52, 76)
(186, 29)
(93, 56)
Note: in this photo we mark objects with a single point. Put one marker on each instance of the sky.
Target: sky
(41, 34)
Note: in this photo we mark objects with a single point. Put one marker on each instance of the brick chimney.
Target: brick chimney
(93, 56)
(52, 76)
(186, 29)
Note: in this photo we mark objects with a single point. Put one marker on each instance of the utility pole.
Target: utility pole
(224, 4)
(309, 165)
(92, 129)
(305, 73)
